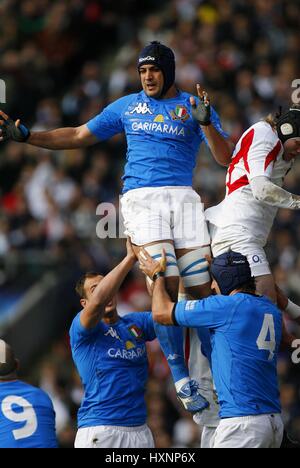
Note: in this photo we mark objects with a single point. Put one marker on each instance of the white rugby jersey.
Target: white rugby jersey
(259, 152)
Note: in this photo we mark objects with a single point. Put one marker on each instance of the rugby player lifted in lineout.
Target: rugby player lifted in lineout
(164, 128)
(243, 221)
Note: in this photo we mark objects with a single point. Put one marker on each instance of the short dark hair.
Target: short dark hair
(79, 288)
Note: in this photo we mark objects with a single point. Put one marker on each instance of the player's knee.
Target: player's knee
(194, 269)
(156, 251)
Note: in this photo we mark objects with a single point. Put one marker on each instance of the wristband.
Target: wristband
(158, 274)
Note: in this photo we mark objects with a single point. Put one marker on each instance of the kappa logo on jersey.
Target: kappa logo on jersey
(172, 357)
(136, 332)
(113, 333)
(141, 108)
(180, 113)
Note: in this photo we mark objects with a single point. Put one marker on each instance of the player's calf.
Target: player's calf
(171, 339)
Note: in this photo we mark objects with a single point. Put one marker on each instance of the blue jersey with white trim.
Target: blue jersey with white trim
(27, 418)
(162, 138)
(113, 366)
(245, 337)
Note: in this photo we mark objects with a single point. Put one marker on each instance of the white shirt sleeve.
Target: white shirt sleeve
(265, 191)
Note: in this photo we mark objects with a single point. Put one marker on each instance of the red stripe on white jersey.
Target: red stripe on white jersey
(272, 156)
(242, 154)
(242, 182)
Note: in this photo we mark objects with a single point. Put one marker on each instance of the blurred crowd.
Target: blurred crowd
(62, 62)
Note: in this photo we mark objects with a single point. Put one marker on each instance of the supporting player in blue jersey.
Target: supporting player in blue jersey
(27, 418)
(110, 354)
(245, 331)
(164, 128)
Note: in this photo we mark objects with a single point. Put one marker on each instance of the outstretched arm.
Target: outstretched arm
(61, 138)
(106, 290)
(265, 191)
(162, 306)
(220, 146)
(208, 313)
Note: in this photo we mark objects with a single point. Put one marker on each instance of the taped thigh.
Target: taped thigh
(194, 268)
(156, 253)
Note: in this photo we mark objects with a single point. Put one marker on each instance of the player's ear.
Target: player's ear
(83, 303)
(214, 286)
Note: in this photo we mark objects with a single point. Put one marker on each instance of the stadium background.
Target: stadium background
(62, 62)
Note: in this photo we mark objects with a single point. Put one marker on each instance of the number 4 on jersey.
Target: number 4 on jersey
(267, 331)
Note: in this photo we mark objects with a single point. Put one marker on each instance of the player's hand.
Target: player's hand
(10, 130)
(130, 250)
(149, 266)
(202, 111)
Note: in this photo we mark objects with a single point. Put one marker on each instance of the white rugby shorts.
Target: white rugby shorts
(263, 431)
(114, 437)
(165, 213)
(239, 239)
(208, 435)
